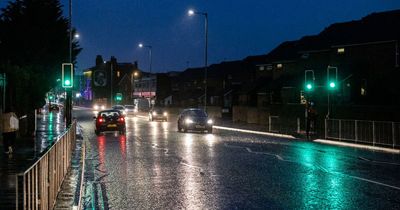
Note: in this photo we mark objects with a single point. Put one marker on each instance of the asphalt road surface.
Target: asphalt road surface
(155, 167)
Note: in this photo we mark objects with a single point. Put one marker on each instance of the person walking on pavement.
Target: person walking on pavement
(10, 124)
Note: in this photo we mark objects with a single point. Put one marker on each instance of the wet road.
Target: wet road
(156, 167)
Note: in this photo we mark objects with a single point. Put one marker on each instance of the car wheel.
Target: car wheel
(179, 128)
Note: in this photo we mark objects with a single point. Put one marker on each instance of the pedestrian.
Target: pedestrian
(10, 124)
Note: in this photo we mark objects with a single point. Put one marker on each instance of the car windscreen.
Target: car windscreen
(109, 114)
(197, 113)
(129, 106)
(118, 107)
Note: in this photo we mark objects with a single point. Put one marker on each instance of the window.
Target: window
(261, 68)
(279, 65)
(340, 50)
(118, 74)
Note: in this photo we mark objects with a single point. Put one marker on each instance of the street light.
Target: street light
(77, 36)
(150, 55)
(192, 12)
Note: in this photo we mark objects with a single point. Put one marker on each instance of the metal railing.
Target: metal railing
(38, 186)
(276, 124)
(360, 131)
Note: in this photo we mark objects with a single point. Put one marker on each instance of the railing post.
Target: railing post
(356, 129)
(393, 135)
(269, 123)
(373, 133)
(298, 125)
(326, 128)
(340, 130)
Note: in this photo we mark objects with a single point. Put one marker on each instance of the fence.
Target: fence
(360, 131)
(277, 124)
(38, 186)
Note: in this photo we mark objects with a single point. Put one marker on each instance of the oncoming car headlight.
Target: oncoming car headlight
(154, 113)
(188, 121)
(165, 113)
(103, 107)
(210, 121)
(96, 107)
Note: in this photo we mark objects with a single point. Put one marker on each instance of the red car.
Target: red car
(110, 120)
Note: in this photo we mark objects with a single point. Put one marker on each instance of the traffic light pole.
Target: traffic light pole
(68, 107)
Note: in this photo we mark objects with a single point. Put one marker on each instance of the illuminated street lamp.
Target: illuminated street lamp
(150, 55)
(192, 12)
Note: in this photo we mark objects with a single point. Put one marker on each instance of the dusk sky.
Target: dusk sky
(237, 29)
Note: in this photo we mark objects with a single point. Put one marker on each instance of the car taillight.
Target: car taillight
(100, 120)
(121, 119)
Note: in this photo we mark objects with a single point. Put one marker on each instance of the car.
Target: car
(130, 110)
(119, 108)
(158, 114)
(98, 107)
(110, 120)
(194, 119)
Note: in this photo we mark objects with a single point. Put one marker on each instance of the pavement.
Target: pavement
(26, 151)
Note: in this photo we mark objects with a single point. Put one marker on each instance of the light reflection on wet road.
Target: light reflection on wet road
(156, 167)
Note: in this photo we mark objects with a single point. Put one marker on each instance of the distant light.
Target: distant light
(77, 36)
(67, 82)
(190, 12)
(332, 84)
(78, 95)
(309, 86)
(340, 50)
(279, 65)
(140, 45)
(135, 74)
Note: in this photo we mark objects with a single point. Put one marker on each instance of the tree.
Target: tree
(34, 42)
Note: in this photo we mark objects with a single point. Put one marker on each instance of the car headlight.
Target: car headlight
(165, 114)
(96, 106)
(210, 121)
(154, 113)
(188, 121)
(103, 107)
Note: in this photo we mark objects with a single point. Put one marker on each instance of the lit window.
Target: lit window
(261, 68)
(279, 66)
(118, 73)
(340, 50)
(363, 91)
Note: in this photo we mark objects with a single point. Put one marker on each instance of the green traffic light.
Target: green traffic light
(309, 86)
(67, 82)
(332, 85)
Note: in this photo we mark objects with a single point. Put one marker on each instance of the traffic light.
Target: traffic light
(309, 80)
(118, 97)
(332, 77)
(67, 75)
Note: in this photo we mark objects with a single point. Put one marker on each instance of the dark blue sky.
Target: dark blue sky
(237, 28)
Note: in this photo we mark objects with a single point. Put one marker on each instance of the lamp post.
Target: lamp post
(150, 55)
(205, 14)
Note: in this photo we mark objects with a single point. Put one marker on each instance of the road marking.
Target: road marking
(314, 166)
(371, 181)
(254, 132)
(395, 151)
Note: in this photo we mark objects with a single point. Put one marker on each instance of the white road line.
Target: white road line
(254, 132)
(315, 166)
(395, 151)
(374, 182)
